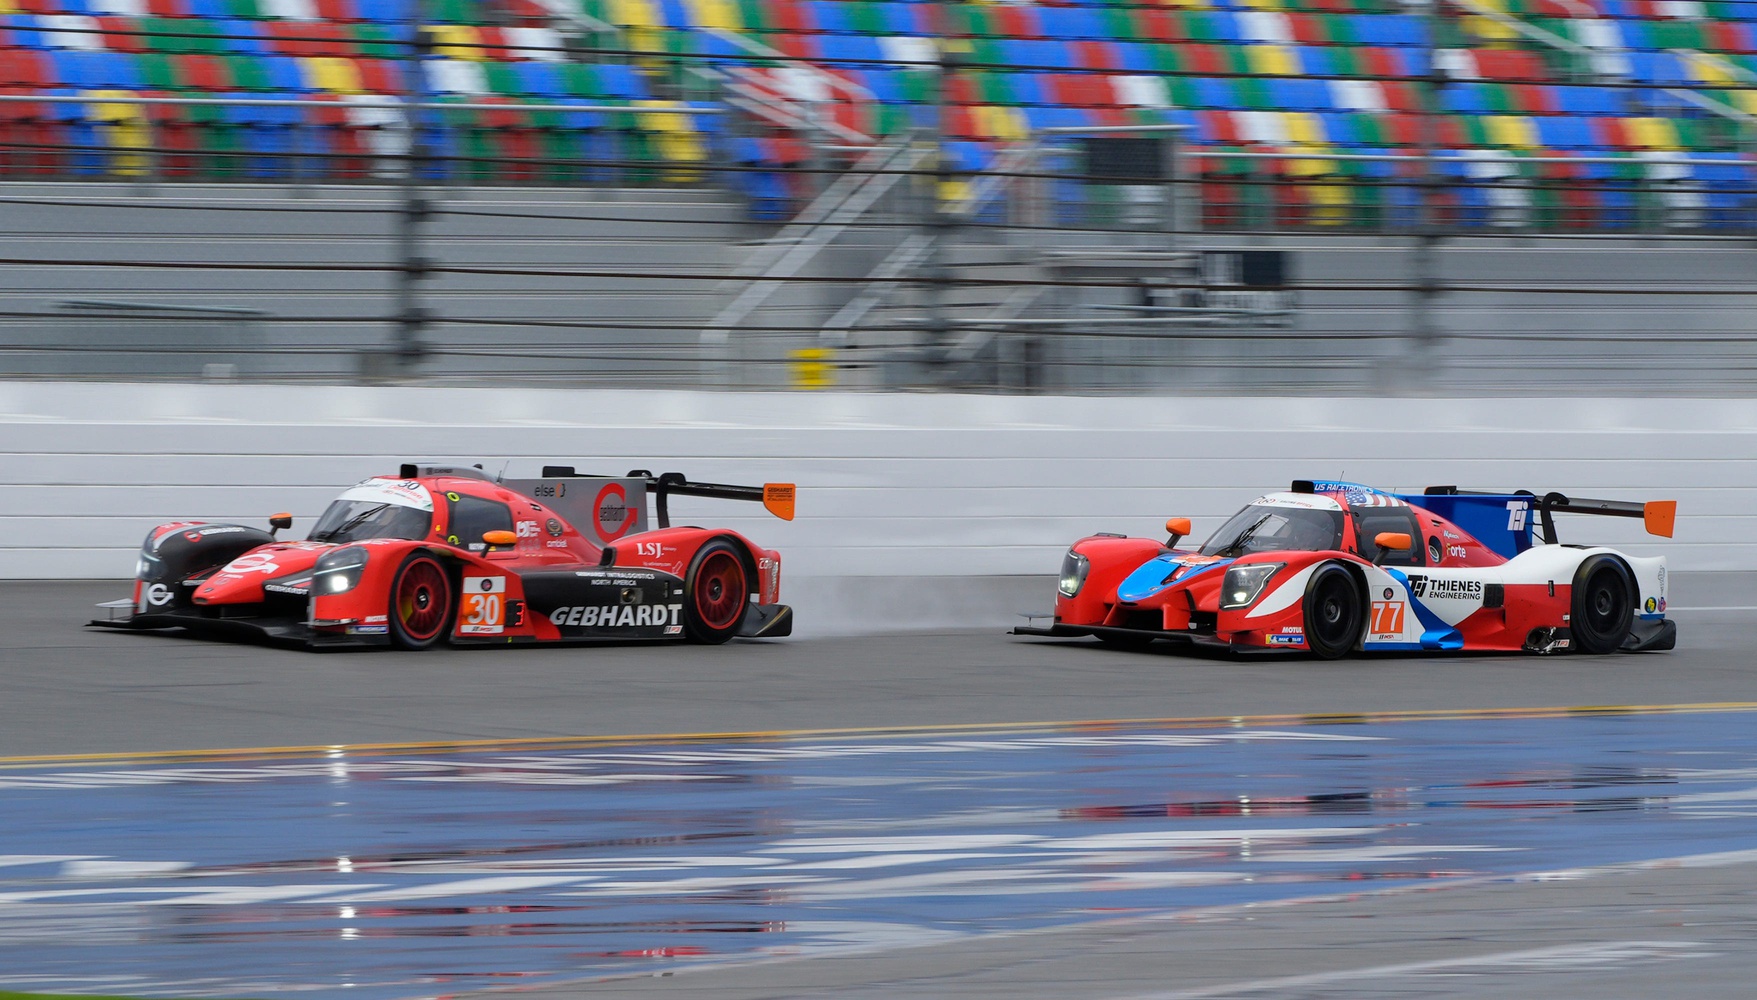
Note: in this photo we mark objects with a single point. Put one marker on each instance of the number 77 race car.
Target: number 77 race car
(446, 554)
(1333, 568)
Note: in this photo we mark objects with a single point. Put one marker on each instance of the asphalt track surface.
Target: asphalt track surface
(1367, 831)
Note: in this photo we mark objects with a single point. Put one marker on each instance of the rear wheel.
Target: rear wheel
(717, 593)
(1334, 619)
(1603, 605)
(420, 602)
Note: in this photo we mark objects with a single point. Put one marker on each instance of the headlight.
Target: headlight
(147, 565)
(1243, 584)
(339, 571)
(1074, 567)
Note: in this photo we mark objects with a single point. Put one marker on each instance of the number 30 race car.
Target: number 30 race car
(1334, 568)
(446, 554)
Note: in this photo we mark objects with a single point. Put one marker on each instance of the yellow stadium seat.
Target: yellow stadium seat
(1489, 31)
(635, 13)
(1006, 124)
(721, 14)
(1652, 133)
(1512, 131)
(334, 74)
(1304, 128)
(1327, 202)
(1276, 60)
(675, 138)
(126, 127)
(1744, 100)
(457, 41)
(1707, 69)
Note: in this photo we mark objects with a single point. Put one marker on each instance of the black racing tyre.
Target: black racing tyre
(421, 602)
(716, 593)
(1603, 605)
(1334, 614)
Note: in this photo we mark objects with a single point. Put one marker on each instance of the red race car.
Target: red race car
(447, 554)
(1333, 568)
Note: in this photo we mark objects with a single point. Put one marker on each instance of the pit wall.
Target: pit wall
(890, 485)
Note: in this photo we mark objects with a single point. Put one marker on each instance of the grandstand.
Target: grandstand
(1538, 115)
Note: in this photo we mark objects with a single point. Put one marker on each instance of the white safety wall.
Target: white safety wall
(890, 485)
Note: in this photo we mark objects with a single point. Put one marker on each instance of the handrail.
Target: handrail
(348, 100)
(757, 48)
(885, 278)
(823, 220)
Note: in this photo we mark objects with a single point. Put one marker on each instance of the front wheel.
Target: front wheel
(1333, 612)
(420, 602)
(716, 593)
(1602, 606)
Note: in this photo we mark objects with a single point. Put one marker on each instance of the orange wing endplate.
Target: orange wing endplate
(778, 500)
(1659, 516)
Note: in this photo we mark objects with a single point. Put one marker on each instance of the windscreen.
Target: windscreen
(1262, 528)
(358, 520)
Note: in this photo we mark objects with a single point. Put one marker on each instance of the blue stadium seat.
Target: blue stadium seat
(1464, 99)
(539, 78)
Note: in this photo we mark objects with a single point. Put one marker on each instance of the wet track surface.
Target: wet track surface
(379, 876)
(1336, 843)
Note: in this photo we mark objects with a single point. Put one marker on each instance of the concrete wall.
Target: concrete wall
(890, 485)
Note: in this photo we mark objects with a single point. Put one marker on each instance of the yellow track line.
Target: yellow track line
(869, 732)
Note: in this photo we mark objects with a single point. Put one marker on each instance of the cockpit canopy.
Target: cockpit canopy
(1310, 524)
(377, 508)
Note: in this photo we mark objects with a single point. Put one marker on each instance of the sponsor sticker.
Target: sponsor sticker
(620, 616)
(1652, 605)
(1284, 639)
(156, 596)
(253, 562)
(610, 509)
(553, 527)
(1429, 588)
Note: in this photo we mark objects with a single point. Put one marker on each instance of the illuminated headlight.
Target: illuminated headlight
(1244, 584)
(1074, 567)
(338, 572)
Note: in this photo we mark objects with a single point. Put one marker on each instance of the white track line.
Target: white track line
(1593, 955)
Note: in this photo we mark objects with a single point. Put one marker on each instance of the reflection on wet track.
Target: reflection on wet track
(391, 876)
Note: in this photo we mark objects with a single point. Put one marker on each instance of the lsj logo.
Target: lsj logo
(1387, 617)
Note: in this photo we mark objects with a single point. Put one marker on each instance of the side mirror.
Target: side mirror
(1389, 542)
(1177, 527)
(278, 521)
(504, 539)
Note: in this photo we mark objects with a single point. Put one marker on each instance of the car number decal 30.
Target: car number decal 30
(483, 608)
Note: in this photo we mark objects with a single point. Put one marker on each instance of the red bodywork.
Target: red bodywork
(271, 581)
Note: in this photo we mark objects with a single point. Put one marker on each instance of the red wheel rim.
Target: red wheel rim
(421, 599)
(719, 590)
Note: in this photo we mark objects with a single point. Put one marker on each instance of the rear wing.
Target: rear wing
(776, 498)
(612, 506)
(1503, 521)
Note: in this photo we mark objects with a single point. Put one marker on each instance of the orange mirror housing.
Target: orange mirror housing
(500, 539)
(1178, 526)
(281, 520)
(1393, 541)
